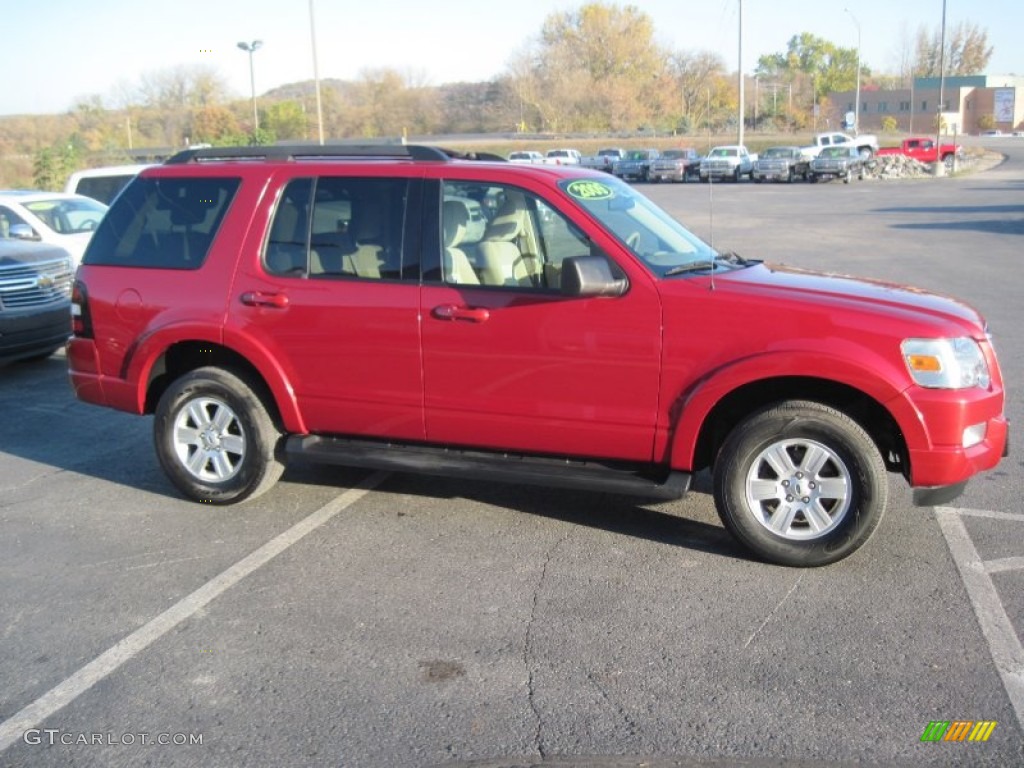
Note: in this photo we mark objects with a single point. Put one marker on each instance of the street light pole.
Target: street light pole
(316, 76)
(251, 48)
(740, 73)
(939, 165)
(856, 106)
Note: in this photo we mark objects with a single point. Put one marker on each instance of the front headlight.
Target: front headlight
(946, 363)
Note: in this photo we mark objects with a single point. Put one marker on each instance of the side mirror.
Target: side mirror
(587, 276)
(23, 232)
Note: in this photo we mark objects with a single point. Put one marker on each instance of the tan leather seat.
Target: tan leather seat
(340, 252)
(457, 268)
(502, 262)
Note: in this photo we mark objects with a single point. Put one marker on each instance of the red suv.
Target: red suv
(409, 309)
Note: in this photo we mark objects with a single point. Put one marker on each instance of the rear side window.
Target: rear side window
(340, 227)
(162, 223)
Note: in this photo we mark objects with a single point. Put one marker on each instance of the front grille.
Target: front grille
(36, 284)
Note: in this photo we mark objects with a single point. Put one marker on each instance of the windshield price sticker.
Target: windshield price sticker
(589, 190)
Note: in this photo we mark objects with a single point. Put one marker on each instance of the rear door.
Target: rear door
(332, 296)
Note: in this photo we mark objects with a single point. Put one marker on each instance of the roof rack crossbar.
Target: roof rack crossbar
(293, 152)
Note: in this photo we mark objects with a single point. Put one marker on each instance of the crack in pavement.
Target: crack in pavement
(538, 741)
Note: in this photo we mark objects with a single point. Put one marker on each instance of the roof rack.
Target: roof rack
(286, 153)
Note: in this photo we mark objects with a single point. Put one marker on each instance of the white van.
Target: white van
(103, 184)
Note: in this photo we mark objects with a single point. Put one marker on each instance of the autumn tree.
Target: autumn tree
(967, 51)
(595, 68)
(696, 74)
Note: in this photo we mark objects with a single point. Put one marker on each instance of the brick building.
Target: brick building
(968, 100)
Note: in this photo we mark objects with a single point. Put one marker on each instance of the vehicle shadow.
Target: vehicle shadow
(45, 426)
(658, 522)
(49, 430)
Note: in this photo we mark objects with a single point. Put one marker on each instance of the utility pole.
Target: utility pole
(316, 76)
(939, 165)
(740, 74)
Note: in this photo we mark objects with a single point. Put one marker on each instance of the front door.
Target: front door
(510, 363)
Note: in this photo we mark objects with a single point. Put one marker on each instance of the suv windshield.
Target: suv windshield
(658, 240)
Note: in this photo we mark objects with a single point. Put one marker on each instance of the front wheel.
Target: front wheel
(215, 437)
(800, 484)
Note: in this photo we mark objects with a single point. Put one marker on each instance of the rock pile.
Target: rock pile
(897, 167)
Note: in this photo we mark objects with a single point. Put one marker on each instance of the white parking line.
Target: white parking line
(1003, 643)
(12, 729)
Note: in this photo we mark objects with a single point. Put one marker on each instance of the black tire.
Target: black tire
(235, 456)
(800, 484)
(736, 176)
(812, 177)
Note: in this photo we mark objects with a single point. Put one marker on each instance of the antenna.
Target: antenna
(711, 227)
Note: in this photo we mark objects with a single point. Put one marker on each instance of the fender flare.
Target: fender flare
(876, 378)
(150, 347)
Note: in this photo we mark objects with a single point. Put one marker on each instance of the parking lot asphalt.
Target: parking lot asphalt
(347, 619)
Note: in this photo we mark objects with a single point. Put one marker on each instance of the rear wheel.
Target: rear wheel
(800, 484)
(215, 438)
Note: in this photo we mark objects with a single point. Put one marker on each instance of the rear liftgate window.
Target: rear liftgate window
(162, 223)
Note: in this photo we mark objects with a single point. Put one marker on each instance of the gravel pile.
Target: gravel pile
(898, 167)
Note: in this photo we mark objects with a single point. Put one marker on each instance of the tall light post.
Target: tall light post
(316, 76)
(251, 48)
(856, 106)
(740, 73)
(939, 165)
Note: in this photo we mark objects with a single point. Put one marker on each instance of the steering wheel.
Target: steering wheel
(88, 225)
(633, 241)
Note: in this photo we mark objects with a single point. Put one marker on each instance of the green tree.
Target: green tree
(286, 119)
(830, 67)
(51, 166)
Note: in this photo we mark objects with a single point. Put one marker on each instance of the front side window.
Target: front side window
(505, 237)
(338, 227)
(166, 223)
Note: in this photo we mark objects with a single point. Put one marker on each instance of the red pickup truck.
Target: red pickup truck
(924, 150)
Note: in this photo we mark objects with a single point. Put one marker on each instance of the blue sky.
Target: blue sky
(54, 52)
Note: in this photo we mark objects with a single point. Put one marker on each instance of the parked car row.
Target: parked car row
(43, 236)
(56, 218)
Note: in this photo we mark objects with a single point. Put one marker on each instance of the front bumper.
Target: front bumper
(31, 332)
(935, 424)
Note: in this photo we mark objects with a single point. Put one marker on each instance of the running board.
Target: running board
(609, 477)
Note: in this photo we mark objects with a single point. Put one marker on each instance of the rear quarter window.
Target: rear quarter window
(162, 223)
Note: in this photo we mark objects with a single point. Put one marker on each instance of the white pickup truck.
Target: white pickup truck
(866, 144)
(562, 157)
